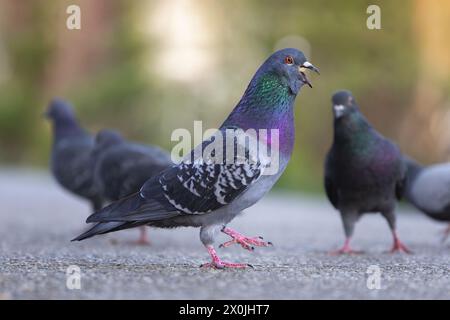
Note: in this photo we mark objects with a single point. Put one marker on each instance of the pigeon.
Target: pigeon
(121, 167)
(71, 162)
(428, 189)
(204, 190)
(364, 171)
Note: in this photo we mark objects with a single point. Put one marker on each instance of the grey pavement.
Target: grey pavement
(38, 219)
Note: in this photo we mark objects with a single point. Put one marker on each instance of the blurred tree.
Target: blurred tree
(149, 67)
(97, 68)
(428, 122)
(27, 47)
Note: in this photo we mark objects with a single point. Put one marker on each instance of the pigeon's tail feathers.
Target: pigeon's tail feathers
(133, 209)
(118, 208)
(102, 228)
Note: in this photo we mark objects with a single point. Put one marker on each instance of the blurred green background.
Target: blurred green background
(149, 67)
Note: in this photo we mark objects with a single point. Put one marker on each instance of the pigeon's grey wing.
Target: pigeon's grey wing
(73, 168)
(205, 184)
(134, 206)
(137, 174)
(197, 188)
(188, 188)
(123, 170)
(330, 188)
(157, 154)
(183, 189)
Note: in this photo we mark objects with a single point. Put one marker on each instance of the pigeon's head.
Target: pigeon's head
(106, 138)
(59, 111)
(290, 66)
(344, 104)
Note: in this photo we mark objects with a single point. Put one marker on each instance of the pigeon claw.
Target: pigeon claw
(248, 243)
(399, 247)
(244, 245)
(217, 263)
(346, 249)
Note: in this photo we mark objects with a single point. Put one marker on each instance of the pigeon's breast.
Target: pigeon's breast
(367, 180)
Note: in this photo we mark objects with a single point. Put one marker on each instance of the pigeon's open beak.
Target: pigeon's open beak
(302, 69)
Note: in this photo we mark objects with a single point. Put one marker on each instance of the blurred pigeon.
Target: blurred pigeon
(71, 163)
(428, 189)
(121, 167)
(204, 190)
(364, 171)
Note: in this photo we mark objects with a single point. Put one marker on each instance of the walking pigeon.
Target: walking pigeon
(206, 191)
(71, 163)
(122, 167)
(364, 171)
(428, 189)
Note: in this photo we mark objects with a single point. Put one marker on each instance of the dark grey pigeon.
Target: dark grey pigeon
(428, 189)
(122, 167)
(364, 171)
(71, 163)
(207, 190)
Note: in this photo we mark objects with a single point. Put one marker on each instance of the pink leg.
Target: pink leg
(143, 239)
(446, 233)
(346, 249)
(247, 243)
(216, 263)
(398, 246)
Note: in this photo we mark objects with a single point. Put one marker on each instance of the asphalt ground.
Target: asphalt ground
(38, 219)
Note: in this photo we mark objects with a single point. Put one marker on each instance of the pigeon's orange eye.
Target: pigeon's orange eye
(289, 60)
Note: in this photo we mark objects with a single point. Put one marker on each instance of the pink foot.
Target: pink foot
(217, 263)
(143, 239)
(142, 242)
(247, 243)
(346, 249)
(445, 234)
(399, 247)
